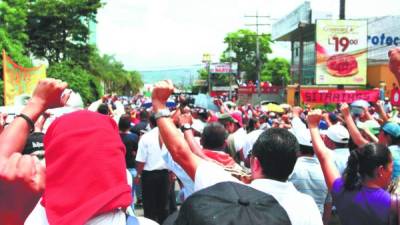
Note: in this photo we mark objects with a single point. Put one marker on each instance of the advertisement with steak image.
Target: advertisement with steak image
(341, 52)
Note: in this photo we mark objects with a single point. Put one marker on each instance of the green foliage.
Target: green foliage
(112, 72)
(78, 79)
(243, 44)
(203, 74)
(59, 30)
(276, 71)
(326, 107)
(13, 14)
(2, 93)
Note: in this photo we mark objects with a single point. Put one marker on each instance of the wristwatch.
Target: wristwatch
(186, 126)
(162, 113)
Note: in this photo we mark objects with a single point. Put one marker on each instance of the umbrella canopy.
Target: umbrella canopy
(285, 105)
(271, 107)
(206, 102)
(360, 103)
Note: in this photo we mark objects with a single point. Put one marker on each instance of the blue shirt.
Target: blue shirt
(395, 150)
(341, 156)
(188, 184)
(308, 178)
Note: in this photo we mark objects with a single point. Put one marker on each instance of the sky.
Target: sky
(165, 34)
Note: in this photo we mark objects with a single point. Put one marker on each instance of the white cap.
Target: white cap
(303, 137)
(338, 134)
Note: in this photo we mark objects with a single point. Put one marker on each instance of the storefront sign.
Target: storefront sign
(224, 68)
(341, 49)
(338, 96)
(383, 34)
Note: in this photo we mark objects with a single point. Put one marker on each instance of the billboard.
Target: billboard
(383, 34)
(224, 68)
(341, 52)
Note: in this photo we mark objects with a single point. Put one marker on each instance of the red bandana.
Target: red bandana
(221, 157)
(85, 168)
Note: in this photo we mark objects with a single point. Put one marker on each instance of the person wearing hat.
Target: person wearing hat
(308, 178)
(307, 175)
(237, 134)
(337, 138)
(387, 105)
(388, 135)
(359, 194)
(272, 161)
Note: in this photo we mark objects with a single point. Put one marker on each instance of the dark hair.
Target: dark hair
(213, 136)
(103, 109)
(306, 150)
(251, 124)
(363, 162)
(276, 149)
(124, 122)
(340, 145)
(152, 120)
(144, 115)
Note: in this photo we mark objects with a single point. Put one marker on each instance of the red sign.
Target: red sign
(395, 97)
(264, 90)
(338, 96)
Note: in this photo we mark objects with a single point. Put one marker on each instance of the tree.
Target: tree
(13, 15)
(243, 44)
(112, 73)
(276, 71)
(78, 79)
(59, 30)
(203, 74)
(133, 83)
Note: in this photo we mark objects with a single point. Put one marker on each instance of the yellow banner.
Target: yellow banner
(19, 80)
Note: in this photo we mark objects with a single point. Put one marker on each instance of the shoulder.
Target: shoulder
(208, 174)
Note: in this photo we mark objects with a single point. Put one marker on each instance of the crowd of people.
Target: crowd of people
(241, 164)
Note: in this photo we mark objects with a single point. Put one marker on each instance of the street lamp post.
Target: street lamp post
(230, 54)
(207, 61)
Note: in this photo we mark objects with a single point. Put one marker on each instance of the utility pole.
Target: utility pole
(258, 62)
(342, 9)
(207, 61)
(301, 27)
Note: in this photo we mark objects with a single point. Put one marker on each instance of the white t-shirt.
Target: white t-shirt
(250, 140)
(300, 208)
(149, 151)
(38, 217)
(239, 138)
